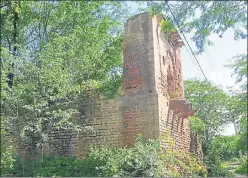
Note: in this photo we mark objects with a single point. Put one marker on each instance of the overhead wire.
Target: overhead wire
(195, 64)
(209, 58)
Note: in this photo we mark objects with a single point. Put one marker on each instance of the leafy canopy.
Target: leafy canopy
(204, 18)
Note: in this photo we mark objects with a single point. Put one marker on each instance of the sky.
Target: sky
(213, 61)
(220, 54)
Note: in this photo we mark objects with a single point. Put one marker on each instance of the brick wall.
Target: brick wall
(139, 116)
(169, 85)
(152, 74)
(104, 118)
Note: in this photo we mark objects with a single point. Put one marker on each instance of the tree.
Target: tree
(204, 18)
(236, 110)
(210, 103)
(240, 106)
(55, 51)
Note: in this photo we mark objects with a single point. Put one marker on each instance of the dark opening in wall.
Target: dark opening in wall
(163, 60)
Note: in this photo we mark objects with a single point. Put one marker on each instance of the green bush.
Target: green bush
(59, 166)
(7, 148)
(223, 148)
(180, 163)
(218, 171)
(50, 166)
(242, 142)
(144, 159)
(22, 168)
(242, 169)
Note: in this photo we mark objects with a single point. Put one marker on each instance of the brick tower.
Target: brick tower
(154, 100)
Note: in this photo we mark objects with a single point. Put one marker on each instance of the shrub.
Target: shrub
(180, 163)
(7, 148)
(218, 171)
(223, 148)
(141, 160)
(22, 168)
(59, 166)
(242, 169)
(242, 142)
(144, 159)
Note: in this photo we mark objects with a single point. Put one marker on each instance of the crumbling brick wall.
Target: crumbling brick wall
(152, 100)
(100, 114)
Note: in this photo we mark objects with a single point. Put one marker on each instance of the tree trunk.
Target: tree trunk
(11, 74)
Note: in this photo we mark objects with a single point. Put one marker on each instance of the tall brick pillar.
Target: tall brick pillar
(154, 96)
(140, 104)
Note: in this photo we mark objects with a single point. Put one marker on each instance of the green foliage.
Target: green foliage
(243, 135)
(218, 171)
(60, 51)
(204, 18)
(196, 125)
(111, 86)
(238, 102)
(145, 159)
(140, 160)
(223, 148)
(61, 166)
(240, 67)
(48, 167)
(242, 169)
(7, 149)
(21, 168)
(214, 109)
(210, 102)
(167, 26)
(180, 163)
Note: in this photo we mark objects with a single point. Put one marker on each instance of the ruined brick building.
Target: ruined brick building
(152, 100)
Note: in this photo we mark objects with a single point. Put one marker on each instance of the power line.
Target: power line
(210, 61)
(185, 39)
(193, 61)
(209, 58)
